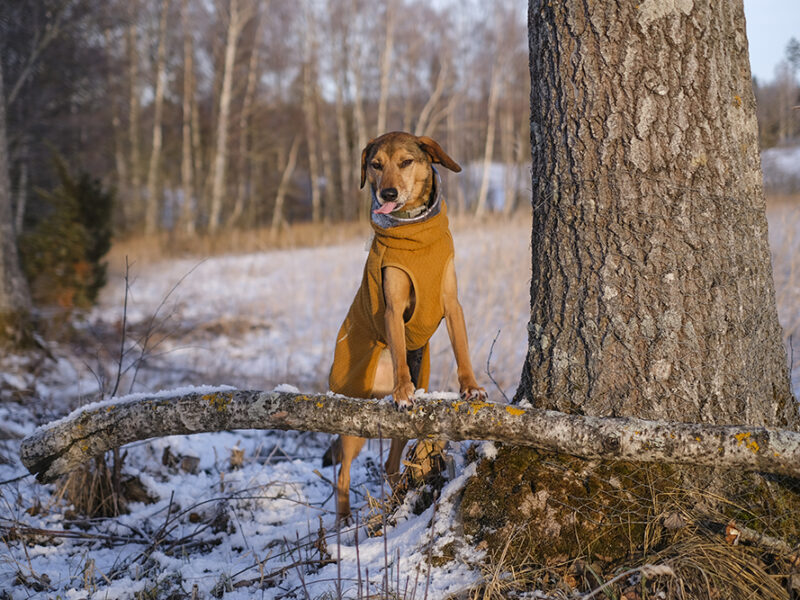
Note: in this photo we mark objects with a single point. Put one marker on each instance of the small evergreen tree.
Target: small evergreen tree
(62, 255)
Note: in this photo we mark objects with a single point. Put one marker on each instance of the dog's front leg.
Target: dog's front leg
(457, 330)
(397, 294)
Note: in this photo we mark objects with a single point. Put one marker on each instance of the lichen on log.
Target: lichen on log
(57, 448)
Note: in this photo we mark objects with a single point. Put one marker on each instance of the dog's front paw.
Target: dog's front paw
(403, 395)
(473, 393)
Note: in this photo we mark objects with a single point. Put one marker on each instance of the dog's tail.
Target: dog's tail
(333, 455)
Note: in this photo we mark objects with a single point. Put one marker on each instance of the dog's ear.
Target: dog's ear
(438, 156)
(364, 157)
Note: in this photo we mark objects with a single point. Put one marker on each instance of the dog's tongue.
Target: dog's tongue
(385, 209)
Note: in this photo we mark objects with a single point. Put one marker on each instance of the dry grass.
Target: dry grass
(152, 249)
(168, 245)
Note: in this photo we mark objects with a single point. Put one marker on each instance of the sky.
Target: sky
(770, 25)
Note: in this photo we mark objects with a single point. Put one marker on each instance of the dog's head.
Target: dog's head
(398, 167)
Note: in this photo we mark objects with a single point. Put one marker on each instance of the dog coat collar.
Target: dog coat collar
(417, 215)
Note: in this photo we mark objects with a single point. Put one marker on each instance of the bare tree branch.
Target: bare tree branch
(57, 448)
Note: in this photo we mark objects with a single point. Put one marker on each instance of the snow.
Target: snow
(265, 321)
(781, 168)
(119, 400)
(257, 321)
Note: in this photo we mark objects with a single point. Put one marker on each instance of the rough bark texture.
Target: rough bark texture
(652, 289)
(57, 448)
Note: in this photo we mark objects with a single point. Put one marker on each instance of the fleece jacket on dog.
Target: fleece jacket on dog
(421, 249)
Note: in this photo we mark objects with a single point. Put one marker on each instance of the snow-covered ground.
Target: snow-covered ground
(259, 529)
(781, 168)
(251, 513)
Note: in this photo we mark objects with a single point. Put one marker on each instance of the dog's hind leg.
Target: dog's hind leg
(351, 446)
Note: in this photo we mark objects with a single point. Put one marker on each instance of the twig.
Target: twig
(20, 478)
(430, 548)
(121, 355)
(152, 326)
(488, 369)
(24, 530)
(645, 570)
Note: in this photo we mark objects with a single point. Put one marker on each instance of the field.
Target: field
(250, 513)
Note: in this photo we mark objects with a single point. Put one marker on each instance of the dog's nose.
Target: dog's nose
(389, 194)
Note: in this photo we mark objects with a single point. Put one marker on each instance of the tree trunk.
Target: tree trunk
(200, 176)
(310, 116)
(55, 449)
(424, 121)
(132, 209)
(652, 290)
(330, 206)
(386, 69)
(15, 303)
(508, 140)
(453, 145)
(244, 186)
(349, 198)
(114, 98)
(187, 214)
(22, 198)
(362, 138)
(283, 187)
(221, 152)
(488, 149)
(152, 210)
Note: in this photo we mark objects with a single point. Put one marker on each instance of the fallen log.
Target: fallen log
(58, 447)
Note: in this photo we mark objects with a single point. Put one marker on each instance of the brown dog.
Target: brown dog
(409, 285)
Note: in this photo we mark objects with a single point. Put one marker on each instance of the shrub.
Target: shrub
(62, 254)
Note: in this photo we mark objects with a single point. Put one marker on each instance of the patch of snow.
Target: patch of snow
(120, 400)
(781, 169)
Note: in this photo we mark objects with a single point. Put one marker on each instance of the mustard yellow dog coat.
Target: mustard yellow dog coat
(421, 249)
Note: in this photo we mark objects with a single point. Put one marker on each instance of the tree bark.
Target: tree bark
(153, 205)
(652, 291)
(15, 302)
(55, 449)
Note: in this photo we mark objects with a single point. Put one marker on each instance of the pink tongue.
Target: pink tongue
(385, 209)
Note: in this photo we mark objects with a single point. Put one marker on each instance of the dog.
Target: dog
(409, 286)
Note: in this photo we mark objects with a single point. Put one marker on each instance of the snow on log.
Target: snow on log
(57, 448)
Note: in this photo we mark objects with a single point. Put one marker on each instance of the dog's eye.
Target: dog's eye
(376, 166)
(406, 163)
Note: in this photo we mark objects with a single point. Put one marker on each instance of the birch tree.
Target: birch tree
(488, 148)
(310, 110)
(133, 206)
(245, 118)
(152, 210)
(386, 68)
(187, 218)
(236, 22)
